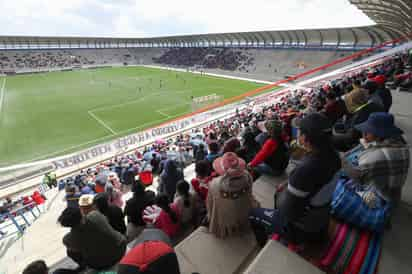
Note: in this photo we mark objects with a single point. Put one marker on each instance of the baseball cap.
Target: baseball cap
(86, 200)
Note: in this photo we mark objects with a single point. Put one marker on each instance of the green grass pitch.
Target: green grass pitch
(49, 114)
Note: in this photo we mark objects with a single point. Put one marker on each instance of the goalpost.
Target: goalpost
(203, 101)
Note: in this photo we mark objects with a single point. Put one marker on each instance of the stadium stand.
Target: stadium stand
(322, 213)
(20, 61)
(234, 255)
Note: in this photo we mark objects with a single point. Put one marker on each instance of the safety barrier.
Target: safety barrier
(17, 220)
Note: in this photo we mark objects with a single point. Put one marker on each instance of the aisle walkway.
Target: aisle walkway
(42, 240)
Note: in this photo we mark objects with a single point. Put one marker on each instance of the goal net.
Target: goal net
(203, 101)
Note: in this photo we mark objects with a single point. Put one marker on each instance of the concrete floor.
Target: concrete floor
(397, 245)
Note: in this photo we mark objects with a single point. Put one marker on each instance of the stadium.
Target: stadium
(267, 151)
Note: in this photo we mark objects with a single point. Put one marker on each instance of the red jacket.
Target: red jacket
(268, 148)
(165, 223)
(37, 198)
(201, 186)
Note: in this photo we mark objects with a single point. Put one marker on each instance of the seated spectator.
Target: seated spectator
(384, 163)
(99, 187)
(87, 190)
(213, 152)
(36, 267)
(231, 145)
(167, 218)
(359, 109)
(150, 253)
(169, 178)
(38, 198)
(211, 138)
(91, 242)
(112, 212)
(186, 203)
(384, 93)
(249, 147)
(295, 217)
(72, 196)
(333, 109)
(134, 210)
(272, 158)
(203, 176)
(230, 197)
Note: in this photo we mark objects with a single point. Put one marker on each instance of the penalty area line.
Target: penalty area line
(162, 113)
(101, 122)
(2, 95)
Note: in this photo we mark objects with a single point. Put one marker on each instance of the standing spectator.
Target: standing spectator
(134, 210)
(91, 242)
(230, 197)
(113, 213)
(273, 157)
(185, 203)
(114, 195)
(128, 178)
(200, 153)
(169, 178)
(155, 162)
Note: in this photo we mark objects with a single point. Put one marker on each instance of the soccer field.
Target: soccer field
(49, 114)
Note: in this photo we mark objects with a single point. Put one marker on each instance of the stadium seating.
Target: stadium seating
(202, 252)
(273, 64)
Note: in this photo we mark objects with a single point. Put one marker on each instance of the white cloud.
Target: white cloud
(138, 18)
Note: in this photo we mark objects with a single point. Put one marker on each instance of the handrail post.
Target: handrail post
(19, 228)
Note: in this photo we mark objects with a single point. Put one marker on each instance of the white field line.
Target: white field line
(137, 100)
(122, 131)
(103, 138)
(173, 107)
(102, 123)
(162, 113)
(2, 95)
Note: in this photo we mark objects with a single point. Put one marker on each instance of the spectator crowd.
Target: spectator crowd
(210, 58)
(339, 129)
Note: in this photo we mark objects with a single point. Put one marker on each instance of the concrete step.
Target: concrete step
(275, 258)
(203, 253)
(264, 189)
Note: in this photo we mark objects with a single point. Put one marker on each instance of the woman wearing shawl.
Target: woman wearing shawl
(230, 197)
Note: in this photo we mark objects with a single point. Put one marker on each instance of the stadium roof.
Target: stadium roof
(393, 20)
(392, 14)
(360, 37)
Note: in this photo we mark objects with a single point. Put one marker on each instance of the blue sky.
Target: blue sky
(147, 18)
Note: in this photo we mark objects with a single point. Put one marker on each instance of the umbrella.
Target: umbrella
(160, 141)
